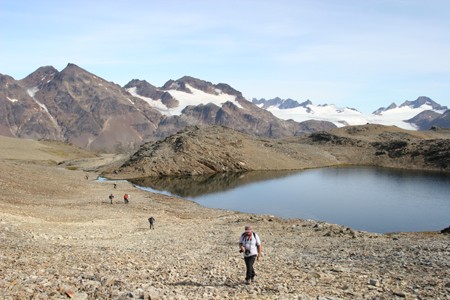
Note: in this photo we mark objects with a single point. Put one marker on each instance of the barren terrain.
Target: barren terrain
(212, 150)
(60, 238)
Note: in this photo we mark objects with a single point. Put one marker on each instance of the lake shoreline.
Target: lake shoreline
(61, 238)
(372, 194)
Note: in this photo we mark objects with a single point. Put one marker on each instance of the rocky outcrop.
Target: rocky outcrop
(332, 139)
(211, 150)
(429, 154)
(188, 153)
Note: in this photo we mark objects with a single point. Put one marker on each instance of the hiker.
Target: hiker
(250, 246)
(111, 197)
(125, 198)
(87, 177)
(115, 185)
(151, 220)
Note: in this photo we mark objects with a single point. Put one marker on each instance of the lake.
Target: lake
(371, 199)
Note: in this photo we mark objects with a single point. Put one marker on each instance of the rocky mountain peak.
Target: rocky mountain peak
(41, 76)
(422, 100)
(73, 68)
(141, 84)
(6, 80)
(282, 103)
(185, 82)
(143, 88)
(74, 74)
(418, 103)
(383, 109)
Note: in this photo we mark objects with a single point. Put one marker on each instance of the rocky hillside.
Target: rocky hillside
(191, 101)
(74, 106)
(81, 108)
(199, 151)
(429, 119)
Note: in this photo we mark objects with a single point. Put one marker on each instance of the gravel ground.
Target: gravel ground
(60, 238)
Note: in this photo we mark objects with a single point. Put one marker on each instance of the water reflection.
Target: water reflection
(372, 199)
(195, 186)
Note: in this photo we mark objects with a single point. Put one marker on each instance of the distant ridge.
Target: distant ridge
(401, 116)
(78, 107)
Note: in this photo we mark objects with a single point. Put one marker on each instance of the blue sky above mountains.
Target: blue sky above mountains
(361, 54)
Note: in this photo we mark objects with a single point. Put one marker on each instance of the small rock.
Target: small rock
(374, 282)
(70, 294)
(399, 294)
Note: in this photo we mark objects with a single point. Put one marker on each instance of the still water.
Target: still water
(371, 199)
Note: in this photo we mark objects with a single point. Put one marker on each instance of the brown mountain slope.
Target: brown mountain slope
(81, 108)
(96, 114)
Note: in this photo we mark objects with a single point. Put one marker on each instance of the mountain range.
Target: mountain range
(421, 114)
(76, 106)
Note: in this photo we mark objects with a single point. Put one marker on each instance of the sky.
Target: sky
(362, 54)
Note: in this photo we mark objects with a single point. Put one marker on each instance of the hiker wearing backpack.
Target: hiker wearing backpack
(151, 220)
(250, 246)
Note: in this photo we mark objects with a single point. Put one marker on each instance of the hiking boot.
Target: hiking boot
(247, 281)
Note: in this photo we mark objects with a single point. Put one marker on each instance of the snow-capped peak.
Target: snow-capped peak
(393, 115)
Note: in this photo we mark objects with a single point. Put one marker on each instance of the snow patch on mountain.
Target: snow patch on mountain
(157, 104)
(31, 92)
(339, 116)
(397, 116)
(196, 97)
(346, 116)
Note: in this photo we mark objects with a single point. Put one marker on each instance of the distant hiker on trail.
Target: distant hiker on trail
(250, 246)
(111, 197)
(125, 198)
(115, 185)
(87, 177)
(151, 220)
